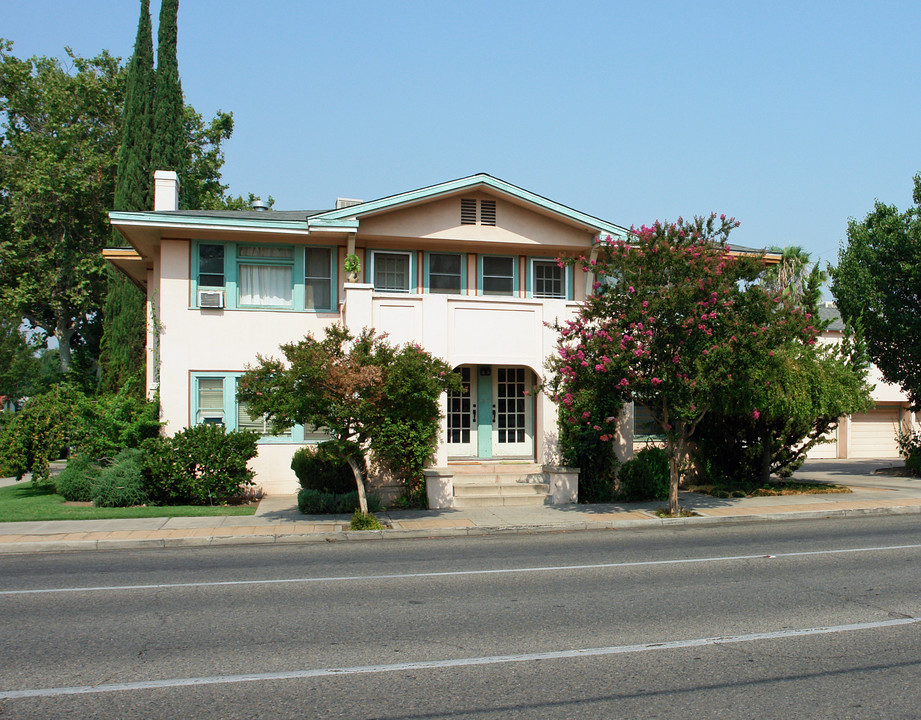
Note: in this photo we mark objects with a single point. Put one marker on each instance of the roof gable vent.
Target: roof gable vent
(468, 211)
(487, 212)
(342, 202)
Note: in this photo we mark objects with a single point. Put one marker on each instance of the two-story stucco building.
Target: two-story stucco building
(465, 268)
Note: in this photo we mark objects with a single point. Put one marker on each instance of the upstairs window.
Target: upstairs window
(210, 265)
(265, 275)
(498, 274)
(391, 271)
(445, 273)
(318, 278)
(548, 279)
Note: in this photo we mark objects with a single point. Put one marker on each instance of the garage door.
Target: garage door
(873, 434)
(825, 451)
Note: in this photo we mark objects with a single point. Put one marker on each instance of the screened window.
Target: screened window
(211, 401)
(548, 280)
(211, 265)
(391, 272)
(644, 426)
(318, 278)
(265, 275)
(445, 272)
(498, 275)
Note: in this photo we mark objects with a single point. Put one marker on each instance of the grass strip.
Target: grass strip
(24, 502)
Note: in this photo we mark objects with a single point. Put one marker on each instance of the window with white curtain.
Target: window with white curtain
(265, 275)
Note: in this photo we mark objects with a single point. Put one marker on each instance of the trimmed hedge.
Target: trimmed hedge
(315, 502)
(323, 468)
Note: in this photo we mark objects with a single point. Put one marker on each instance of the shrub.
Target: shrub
(364, 521)
(41, 432)
(122, 483)
(645, 477)
(200, 465)
(316, 502)
(321, 468)
(910, 449)
(581, 447)
(75, 482)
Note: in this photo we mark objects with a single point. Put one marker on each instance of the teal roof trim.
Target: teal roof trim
(469, 183)
(155, 218)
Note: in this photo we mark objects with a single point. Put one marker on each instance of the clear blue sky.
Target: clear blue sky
(791, 116)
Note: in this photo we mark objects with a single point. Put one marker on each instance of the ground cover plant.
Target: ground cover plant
(25, 502)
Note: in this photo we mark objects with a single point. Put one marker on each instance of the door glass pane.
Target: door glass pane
(460, 410)
(510, 413)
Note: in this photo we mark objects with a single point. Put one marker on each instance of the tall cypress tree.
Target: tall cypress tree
(169, 139)
(122, 349)
(133, 185)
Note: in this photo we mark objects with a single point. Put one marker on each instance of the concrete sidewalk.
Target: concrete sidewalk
(277, 519)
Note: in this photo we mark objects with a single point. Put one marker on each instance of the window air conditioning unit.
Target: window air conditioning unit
(210, 298)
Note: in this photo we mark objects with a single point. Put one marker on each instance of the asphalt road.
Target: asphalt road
(786, 619)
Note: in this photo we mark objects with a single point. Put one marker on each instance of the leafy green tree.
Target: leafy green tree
(877, 286)
(134, 178)
(666, 326)
(122, 346)
(60, 134)
(18, 364)
(798, 388)
(58, 138)
(365, 392)
(169, 140)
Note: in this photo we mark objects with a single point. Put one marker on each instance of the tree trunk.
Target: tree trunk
(359, 483)
(63, 334)
(674, 449)
(672, 485)
(765, 454)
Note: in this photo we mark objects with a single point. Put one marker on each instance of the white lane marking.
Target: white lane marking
(449, 573)
(458, 662)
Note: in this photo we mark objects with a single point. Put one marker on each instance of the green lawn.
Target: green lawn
(22, 502)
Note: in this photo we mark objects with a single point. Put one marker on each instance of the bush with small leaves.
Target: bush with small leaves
(364, 521)
(75, 482)
(321, 468)
(122, 483)
(200, 465)
(316, 502)
(645, 477)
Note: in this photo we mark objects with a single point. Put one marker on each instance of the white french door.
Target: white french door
(512, 412)
(462, 416)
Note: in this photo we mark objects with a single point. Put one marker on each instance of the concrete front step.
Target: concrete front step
(499, 484)
(492, 489)
(475, 501)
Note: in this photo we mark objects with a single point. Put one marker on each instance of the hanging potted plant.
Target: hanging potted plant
(352, 267)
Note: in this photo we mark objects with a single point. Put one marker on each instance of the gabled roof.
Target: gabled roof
(349, 216)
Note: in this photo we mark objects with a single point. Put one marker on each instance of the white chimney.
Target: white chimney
(166, 190)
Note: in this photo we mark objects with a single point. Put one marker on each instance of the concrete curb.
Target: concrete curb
(349, 536)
